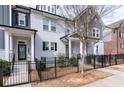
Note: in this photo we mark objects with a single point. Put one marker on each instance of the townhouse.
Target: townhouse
(114, 38)
(27, 33)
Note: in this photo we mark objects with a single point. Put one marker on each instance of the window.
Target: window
(54, 46)
(22, 19)
(96, 33)
(44, 7)
(53, 10)
(51, 45)
(53, 26)
(97, 49)
(49, 25)
(48, 8)
(45, 46)
(121, 34)
(45, 24)
(121, 45)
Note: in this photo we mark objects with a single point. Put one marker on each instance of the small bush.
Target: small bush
(6, 67)
(73, 61)
(61, 60)
(40, 64)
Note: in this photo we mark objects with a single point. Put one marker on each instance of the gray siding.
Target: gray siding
(4, 20)
(4, 14)
(1, 39)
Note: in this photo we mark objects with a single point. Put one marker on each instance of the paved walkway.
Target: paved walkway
(116, 80)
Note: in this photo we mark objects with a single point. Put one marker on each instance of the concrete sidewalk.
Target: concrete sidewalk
(116, 80)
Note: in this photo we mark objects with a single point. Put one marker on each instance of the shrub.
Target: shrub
(6, 67)
(40, 64)
(73, 61)
(61, 60)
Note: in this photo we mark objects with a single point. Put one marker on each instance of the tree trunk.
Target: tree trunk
(82, 60)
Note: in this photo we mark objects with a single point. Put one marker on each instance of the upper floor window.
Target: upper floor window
(121, 34)
(21, 19)
(45, 24)
(96, 32)
(49, 25)
(49, 8)
(53, 26)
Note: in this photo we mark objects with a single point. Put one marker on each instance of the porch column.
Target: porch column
(11, 43)
(32, 47)
(10, 47)
(69, 47)
(7, 45)
(81, 48)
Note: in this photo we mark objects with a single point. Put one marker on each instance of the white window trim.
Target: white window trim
(23, 20)
(96, 32)
(49, 25)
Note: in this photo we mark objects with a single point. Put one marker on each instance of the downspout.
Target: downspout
(34, 44)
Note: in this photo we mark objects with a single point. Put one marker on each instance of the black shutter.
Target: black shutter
(27, 19)
(55, 46)
(43, 45)
(16, 18)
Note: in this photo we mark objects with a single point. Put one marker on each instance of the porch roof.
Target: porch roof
(18, 28)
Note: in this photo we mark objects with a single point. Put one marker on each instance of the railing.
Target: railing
(100, 61)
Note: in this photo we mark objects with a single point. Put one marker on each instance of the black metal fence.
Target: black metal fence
(49, 68)
(100, 61)
(40, 70)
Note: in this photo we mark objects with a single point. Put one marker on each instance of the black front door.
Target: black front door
(21, 52)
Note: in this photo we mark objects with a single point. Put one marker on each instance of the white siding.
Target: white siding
(100, 45)
(37, 23)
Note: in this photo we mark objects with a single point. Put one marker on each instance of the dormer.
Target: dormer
(47, 8)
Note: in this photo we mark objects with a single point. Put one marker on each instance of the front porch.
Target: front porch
(19, 44)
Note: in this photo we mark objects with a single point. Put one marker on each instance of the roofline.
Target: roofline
(18, 28)
(30, 8)
(51, 14)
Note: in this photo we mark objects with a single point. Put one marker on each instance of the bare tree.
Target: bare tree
(83, 19)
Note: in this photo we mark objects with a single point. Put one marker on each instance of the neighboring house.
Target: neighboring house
(94, 35)
(26, 33)
(114, 38)
(16, 35)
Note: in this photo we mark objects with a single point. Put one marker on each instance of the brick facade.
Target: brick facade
(113, 46)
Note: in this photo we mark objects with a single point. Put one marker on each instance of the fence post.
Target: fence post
(115, 59)
(1, 75)
(94, 62)
(102, 61)
(29, 71)
(55, 68)
(78, 64)
(110, 60)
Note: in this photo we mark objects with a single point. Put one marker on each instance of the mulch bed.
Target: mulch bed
(49, 73)
(74, 80)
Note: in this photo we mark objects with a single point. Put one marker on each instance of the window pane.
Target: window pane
(53, 26)
(22, 19)
(45, 24)
(52, 45)
(49, 8)
(46, 45)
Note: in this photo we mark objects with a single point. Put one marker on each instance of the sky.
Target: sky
(117, 15)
